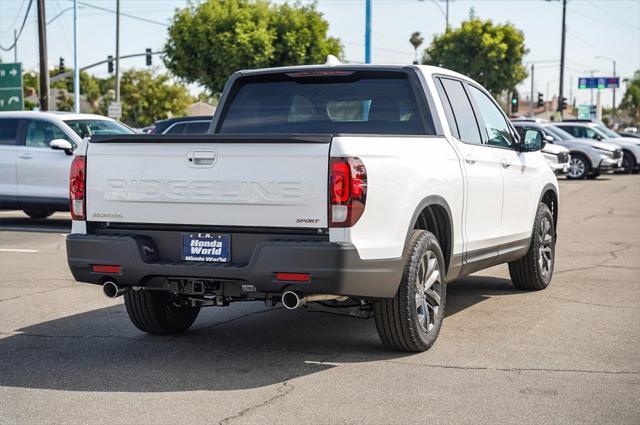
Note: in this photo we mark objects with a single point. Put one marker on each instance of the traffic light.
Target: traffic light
(110, 64)
(514, 102)
(562, 104)
(148, 56)
(61, 64)
(540, 103)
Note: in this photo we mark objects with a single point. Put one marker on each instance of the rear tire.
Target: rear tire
(412, 319)
(155, 313)
(38, 214)
(533, 272)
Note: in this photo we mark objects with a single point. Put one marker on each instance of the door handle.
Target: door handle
(202, 158)
(505, 163)
(470, 159)
(25, 156)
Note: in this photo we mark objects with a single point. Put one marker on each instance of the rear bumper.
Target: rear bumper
(334, 268)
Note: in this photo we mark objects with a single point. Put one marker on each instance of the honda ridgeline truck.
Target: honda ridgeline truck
(364, 189)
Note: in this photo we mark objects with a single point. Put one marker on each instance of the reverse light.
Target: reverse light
(77, 186)
(347, 191)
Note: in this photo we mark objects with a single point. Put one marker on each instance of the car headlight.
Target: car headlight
(605, 152)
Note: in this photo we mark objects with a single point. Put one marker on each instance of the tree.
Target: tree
(490, 54)
(416, 40)
(631, 99)
(64, 101)
(147, 96)
(208, 41)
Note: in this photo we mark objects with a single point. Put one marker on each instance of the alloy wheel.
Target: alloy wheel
(428, 292)
(577, 167)
(545, 249)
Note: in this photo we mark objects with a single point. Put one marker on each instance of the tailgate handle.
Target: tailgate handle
(202, 158)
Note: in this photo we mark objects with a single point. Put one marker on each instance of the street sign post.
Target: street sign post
(115, 110)
(11, 98)
(598, 82)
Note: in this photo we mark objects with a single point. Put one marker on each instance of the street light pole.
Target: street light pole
(367, 32)
(564, 26)
(613, 61)
(76, 70)
(117, 50)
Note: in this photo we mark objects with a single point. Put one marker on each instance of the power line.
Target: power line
(24, 21)
(151, 21)
(10, 27)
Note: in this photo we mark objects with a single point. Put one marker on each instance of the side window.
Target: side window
(462, 111)
(197, 127)
(176, 129)
(574, 131)
(589, 133)
(9, 131)
(496, 128)
(448, 112)
(41, 133)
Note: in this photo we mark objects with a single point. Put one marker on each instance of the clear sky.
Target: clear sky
(594, 28)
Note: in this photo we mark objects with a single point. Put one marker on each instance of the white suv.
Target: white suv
(351, 188)
(36, 150)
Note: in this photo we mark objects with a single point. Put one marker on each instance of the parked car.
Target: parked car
(557, 157)
(633, 135)
(364, 187)
(589, 157)
(182, 125)
(598, 131)
(36, 151)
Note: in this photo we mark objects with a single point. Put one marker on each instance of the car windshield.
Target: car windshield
(97, 127)
(558, 132)
(606, 131)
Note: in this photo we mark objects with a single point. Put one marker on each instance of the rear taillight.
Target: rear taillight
(347, 191)
(77, 180)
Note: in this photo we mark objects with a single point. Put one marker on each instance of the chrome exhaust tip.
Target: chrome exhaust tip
(112, 290)
(291, 300)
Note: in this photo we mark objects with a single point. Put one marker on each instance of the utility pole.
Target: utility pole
(614, 90)
(564, 26)
(447, 15)
(571, 90)
(531, 99)
(44, 67)
(15, 46)
(76, 69)
(367, 32)
(117, 50)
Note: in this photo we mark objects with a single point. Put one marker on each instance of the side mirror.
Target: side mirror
(548, 139)
(61, 145)
(599, 137)
(534, 140)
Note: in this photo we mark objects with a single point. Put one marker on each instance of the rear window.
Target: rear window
(9, 131)
(355, 103)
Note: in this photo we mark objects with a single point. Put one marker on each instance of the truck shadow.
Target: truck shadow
(60, 223)
(241, 347)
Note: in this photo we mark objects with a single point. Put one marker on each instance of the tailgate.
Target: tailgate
(209, 181)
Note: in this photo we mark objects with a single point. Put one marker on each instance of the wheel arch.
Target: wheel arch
(434, 214)
(549, 197)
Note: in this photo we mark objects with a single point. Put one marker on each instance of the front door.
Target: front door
(43, 173)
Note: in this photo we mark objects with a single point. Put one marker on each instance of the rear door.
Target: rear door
(209, 180)
(483, 175)
(43, 173)
(11, 139)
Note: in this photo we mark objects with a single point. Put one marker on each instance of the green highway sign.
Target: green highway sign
(11, 98)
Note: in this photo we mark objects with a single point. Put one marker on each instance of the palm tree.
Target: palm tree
(416, 40)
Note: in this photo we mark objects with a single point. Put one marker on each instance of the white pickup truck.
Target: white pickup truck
(360, 188)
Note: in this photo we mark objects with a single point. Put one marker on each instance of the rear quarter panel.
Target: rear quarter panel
(401, 173)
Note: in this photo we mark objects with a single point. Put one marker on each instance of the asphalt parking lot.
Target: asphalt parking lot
(569, 354)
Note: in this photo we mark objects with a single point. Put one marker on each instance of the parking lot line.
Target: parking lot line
(18, 250)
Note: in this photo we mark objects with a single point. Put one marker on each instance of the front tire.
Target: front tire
(628, 162)
(578, 167)
(533, 272)
(412, 319)
(155, 312)
(38, 214)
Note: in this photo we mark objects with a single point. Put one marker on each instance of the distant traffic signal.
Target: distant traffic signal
(61, 64)
(562, 104)
(540, 103)
(514, 102)
(148, 56)
(110, 64)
